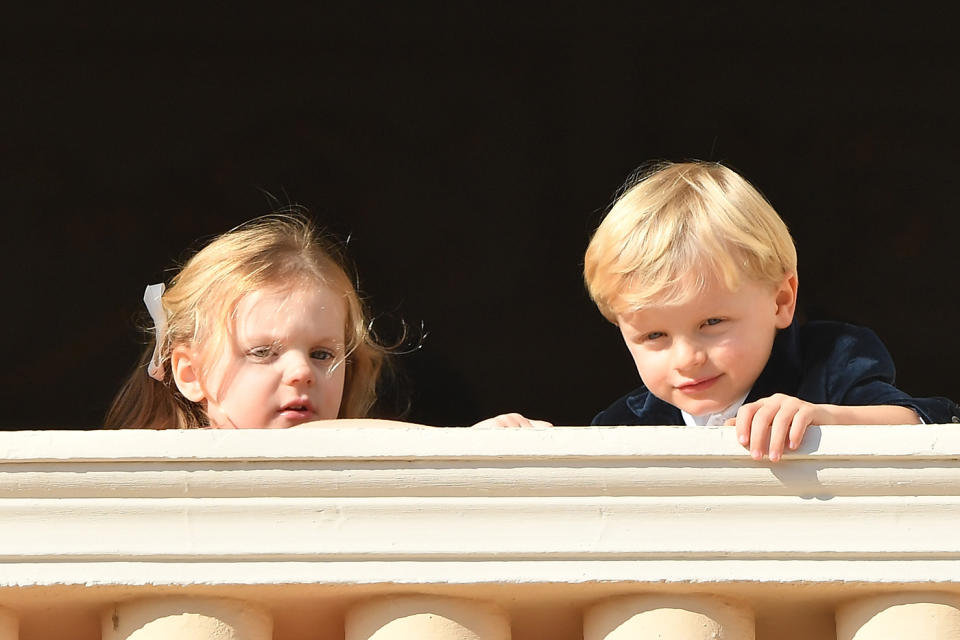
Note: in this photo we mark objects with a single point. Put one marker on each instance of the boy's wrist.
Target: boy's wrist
(827, 414)
(864, 414)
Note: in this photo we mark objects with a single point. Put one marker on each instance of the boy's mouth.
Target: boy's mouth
(700, 384)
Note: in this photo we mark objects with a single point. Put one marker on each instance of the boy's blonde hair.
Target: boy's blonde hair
(673, 228)
(279, 251)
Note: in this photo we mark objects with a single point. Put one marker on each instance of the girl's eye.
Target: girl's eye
(713, 321)
(261, 353)
(654, 335)
(322, 354)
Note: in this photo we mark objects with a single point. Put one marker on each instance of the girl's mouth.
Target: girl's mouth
(297, 410)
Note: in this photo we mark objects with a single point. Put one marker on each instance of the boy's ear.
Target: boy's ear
(786, 301)
(186, 367)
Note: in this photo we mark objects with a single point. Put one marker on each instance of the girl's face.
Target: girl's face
(285, 363)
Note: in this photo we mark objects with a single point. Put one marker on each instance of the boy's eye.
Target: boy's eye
(713, 321)
(654, 335)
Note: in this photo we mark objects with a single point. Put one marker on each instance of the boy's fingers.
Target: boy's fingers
(799, 427)
(760, 430)
(743, 421)
(779, 431)
(540, 424)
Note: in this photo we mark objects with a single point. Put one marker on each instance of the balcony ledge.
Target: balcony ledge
(565, 515)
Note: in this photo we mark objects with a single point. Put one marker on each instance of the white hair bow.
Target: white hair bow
(152, 299)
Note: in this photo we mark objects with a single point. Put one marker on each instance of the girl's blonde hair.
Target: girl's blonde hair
(674, 227)
(281, 251)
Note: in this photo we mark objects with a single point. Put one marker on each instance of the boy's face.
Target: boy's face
(703, 355)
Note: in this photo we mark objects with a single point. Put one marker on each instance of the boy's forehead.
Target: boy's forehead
(638, 297)
(701, 297)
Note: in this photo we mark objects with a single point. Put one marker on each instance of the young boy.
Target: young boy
(700, 274)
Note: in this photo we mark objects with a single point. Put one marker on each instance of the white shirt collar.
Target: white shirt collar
(713, 419)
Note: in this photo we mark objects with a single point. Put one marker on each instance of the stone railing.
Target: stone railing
(559, 534)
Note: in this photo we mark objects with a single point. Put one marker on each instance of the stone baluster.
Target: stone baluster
(930, 616)
(668, 617)
(9, 626)
(186, 618)
(421, 617)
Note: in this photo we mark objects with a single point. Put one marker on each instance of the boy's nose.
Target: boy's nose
(688, 354)
(297, 369)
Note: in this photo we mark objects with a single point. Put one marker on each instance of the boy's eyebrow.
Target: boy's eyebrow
(633, 325)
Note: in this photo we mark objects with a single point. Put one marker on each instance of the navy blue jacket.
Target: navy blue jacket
(820, 362)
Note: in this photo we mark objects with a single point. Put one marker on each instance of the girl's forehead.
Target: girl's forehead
(286, 296)
(274, 309)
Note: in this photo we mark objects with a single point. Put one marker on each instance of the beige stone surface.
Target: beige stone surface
(930, 616)
(544, 524)
(695, 617)
(426, 618)
(186, 619)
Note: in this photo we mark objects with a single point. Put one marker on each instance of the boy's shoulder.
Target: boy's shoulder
(835, 354)
(853, 367)
(639, 407)
(833, 336)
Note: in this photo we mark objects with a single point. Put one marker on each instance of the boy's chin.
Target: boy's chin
(704, 407)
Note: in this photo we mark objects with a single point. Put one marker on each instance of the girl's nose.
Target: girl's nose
(297, 369)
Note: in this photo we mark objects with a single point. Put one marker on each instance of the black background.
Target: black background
(468, 150)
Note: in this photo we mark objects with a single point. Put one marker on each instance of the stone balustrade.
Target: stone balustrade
(590, 533)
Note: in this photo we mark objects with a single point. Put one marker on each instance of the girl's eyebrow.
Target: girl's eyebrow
(329, 339)
(259, 334)
(265, 339)
(259, 341)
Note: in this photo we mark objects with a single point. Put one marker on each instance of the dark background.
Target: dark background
(468, 151)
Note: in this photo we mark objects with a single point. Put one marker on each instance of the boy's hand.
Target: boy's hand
(771, 424)
(507, 420)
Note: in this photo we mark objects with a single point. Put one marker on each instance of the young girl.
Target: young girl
(262, 328)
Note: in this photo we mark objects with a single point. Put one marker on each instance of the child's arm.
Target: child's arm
(353, 423)
(505, 420)
(848, 378)
(770, 424)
